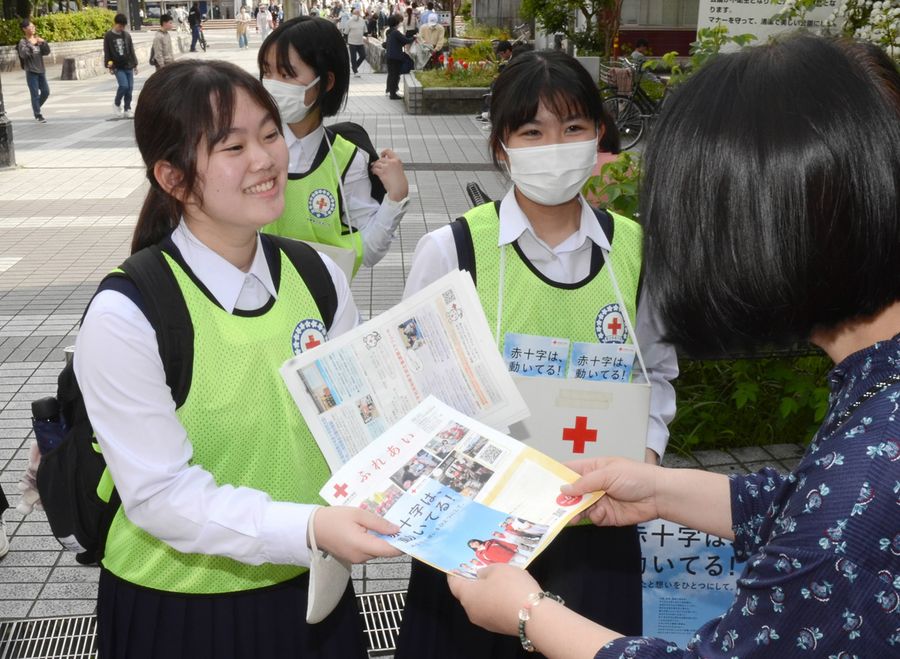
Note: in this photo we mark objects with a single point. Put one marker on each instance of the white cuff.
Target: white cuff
(283, 533)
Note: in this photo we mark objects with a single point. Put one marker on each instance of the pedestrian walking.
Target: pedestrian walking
(356, 36)
(162, 51)
(263, 20)
(194, 20)
(32, 50)
(121, 61)
(243, 22)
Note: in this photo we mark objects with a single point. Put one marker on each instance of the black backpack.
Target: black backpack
(357, 135)
(75, 487)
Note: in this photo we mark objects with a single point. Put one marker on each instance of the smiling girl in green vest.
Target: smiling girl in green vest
(538, 258)
(207, 555)
(305, 66)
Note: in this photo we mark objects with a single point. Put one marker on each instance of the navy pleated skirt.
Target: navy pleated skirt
(141, 623)
(596, 570)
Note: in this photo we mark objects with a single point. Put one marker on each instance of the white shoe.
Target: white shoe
(4, 541)
(129, 114)
(118, 111)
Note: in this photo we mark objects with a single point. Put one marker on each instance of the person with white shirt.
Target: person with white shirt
(543, 261)
(208, 554)
(331, 193)
(356, 40)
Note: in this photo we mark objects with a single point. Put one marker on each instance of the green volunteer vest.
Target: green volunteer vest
(585, 311)
(313, 208)
(245, 430)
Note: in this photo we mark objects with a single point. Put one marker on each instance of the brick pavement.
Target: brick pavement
(66, 216)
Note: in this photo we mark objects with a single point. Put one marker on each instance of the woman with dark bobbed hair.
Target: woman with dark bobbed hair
(783, 163)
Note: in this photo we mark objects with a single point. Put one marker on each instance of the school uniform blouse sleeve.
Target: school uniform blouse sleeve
(376, 222)
(148, 451)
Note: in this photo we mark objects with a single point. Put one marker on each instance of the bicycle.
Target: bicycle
(626, 102)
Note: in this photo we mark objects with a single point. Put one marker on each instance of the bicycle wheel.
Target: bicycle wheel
(627, 117)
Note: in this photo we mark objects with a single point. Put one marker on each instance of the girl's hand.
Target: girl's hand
(630, 490)
(389, 168)
(344, 532)
(494, 599)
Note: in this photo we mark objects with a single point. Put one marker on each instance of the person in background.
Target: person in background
(121, 61)
(762, 134)
(194, 20)
(432, 33)
(427, 13)
(162, 42)
(263, 20)
(31, 50)
(396, 42)
(304, 65)
(356, 35)
(410, 22)
(639, 57)
(242, 23)
(504, 53)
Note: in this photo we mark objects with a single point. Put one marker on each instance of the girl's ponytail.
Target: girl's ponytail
(159, 215)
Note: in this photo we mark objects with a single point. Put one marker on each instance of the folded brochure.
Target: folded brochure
(463, 494)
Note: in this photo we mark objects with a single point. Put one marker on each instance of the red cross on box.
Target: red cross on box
(580, 434)
(615, 326)
(340, 490)
(312, 342)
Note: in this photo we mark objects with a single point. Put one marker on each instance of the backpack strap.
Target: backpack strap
(465, 249)
(312, 270)
(357, 135)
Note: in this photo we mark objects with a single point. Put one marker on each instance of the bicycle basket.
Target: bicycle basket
(618, 75)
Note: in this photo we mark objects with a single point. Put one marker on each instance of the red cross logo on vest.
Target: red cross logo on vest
(340, 490)
(312, 343)
(322, 203)
(614, 326)
(580, 434)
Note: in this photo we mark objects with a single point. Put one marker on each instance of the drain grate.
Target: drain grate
(381, 614)
(75, 637)
(49, 638)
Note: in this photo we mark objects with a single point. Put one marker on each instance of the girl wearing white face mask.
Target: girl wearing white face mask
(339, 192)
(539, 261)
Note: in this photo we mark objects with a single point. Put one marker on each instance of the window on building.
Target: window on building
(660, 13)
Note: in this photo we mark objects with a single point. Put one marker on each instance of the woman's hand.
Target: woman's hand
(344, 532)
(389, 168)
(494, 599)
(630, 490)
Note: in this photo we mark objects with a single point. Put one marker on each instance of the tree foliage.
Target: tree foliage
(600, 21)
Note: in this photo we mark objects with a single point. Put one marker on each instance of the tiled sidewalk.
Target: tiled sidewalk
(66, 216)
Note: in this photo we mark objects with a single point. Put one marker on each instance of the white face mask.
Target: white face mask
(554, 173)
(290, 99)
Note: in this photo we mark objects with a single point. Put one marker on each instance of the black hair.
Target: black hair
(553, 78)
(181, 104)
(165, 18)
(394, 20)
(503, 46)
(641, 43)
(429, 5)
(318, 42)
(25, 23)
(119, 19)
(770, 196)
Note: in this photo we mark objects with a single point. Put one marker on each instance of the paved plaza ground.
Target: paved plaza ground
(66, 216)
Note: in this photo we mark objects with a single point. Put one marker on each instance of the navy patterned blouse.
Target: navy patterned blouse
(822, 544)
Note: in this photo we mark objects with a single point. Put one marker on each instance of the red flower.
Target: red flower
(441, 58)
(465, 65)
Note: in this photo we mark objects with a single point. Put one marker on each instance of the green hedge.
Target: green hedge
(748, 402)
(75, 26)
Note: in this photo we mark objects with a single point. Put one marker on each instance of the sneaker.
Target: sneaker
(129, 114)
(40, 119)
(4, 541)
(118, 111)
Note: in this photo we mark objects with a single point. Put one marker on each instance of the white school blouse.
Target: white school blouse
(567, 263)
(147, 449)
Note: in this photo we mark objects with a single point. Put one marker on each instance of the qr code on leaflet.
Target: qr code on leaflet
(449, 296)
(490, 454)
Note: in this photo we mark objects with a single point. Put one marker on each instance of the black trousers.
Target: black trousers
(4, 504)
(357, 56)
(393, 75)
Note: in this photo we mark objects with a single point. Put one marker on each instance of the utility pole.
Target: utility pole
(7, 150)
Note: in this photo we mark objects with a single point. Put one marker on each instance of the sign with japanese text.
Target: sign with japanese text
(759, 17)
(689, 578)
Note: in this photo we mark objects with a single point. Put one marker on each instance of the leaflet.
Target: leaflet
(353, 388)
(463, 494)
